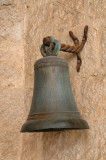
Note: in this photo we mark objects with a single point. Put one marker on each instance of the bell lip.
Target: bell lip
(44, 126)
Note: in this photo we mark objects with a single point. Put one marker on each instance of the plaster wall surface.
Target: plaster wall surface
(23, 24)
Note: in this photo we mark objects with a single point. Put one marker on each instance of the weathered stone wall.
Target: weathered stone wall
(23, 24)
(11, 78)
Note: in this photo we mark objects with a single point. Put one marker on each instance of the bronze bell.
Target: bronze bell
(53, 106)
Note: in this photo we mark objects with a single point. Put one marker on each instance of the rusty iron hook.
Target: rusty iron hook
(72, 49)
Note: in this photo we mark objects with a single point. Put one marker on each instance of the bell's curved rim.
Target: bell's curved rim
(54, 125)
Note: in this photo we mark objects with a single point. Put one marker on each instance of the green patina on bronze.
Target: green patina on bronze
(53, 106)
(49, 50)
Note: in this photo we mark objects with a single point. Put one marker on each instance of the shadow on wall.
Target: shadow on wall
(64, 145)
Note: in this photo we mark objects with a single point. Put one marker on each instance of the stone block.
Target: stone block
(11, 64)
(11, 119)
(6, 2)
